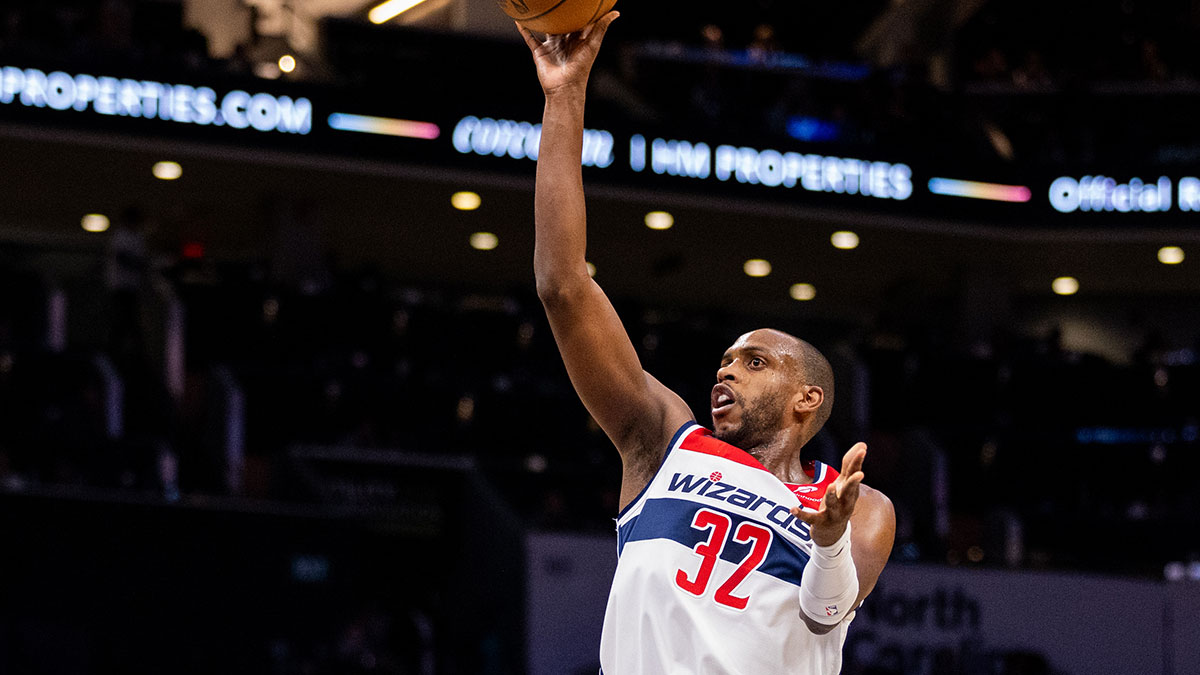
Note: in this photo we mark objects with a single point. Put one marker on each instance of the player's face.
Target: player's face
(755, 385)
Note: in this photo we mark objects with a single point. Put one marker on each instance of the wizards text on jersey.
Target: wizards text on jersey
(701, 473)
(741, 498)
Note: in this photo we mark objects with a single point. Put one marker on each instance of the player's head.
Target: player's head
(770, 381)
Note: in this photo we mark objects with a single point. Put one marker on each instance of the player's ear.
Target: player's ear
(809, 399)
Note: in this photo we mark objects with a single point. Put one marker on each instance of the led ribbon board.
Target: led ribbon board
(629, 158)
(1105, 194)
(182, 103)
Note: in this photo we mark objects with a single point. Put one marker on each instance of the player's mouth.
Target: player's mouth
(723, 399)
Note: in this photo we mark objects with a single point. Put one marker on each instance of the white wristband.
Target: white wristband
(829, 584)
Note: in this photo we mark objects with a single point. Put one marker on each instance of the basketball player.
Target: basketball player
(734, 555)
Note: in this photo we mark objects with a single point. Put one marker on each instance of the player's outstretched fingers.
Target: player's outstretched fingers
(600, 25)
(531, 41)
(830, 501)
(852, 461)
(846, 481)
(807, 517)
(849, 495)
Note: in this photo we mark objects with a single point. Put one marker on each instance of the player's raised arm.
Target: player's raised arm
(637, 412)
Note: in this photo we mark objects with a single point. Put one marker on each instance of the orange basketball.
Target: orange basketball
(556, 16)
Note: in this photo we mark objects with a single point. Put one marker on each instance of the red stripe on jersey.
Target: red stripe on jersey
(810, 494)
(701, 440)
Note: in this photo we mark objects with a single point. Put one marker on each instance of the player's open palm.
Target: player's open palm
(566, 60)
(829, 522)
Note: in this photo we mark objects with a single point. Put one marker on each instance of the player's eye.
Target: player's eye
(757, 362)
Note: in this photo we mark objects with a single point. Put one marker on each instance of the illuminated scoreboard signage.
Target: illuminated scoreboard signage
(772, 168)
(629, 158)
(124, 97)
(697, 161)
(1104, 194)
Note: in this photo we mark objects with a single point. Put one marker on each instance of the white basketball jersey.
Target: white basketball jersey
(708, 570)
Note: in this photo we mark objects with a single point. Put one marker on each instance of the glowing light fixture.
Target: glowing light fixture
(389, 10)
(1065, 285)
(1170, 255)
(484, 241)
(465, 201)
(167, 170)
(94, 222)
(659, 220)
(287, 63)
(384, 126)
(756, 267)
(844, 240)
(971, 189)
(802, 292)
(591, 270)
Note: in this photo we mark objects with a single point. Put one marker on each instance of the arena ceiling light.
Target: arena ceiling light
(391, 9)
(484, 241)
(166, 170)
(591, 270)
(1065, 286)
(1170, 255)
(94, 222)
(465, 201)
(659, 220)
(287, 63)
(802, 292)
(756, 267)
(844, 240)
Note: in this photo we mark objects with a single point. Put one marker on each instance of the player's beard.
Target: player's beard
(760, 421)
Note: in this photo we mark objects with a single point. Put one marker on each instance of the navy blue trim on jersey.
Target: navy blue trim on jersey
(623, 532)
(674, 439)
(668, 518)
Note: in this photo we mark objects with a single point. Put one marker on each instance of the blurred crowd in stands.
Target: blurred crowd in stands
(987, 81)
(177, 378)
(199, 377)
(110, 34)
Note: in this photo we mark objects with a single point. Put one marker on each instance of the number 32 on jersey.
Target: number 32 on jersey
(718, 526)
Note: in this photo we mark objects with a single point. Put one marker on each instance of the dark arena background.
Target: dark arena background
(277, 394)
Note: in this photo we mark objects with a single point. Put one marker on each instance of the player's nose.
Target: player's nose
(726, 373)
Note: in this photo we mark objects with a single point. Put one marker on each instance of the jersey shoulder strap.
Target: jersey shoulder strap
(811, 494)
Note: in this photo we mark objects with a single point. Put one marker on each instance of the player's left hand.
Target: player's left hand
(829, 522)
(565, 61)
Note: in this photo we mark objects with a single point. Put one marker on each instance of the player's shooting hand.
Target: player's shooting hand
(829, 522)
(565, 61)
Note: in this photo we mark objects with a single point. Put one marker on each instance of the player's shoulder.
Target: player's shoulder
(874, 508)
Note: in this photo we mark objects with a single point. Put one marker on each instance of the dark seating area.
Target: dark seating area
(267, 412)
(975, 448)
